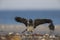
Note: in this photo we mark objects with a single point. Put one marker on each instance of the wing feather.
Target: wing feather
(21, 20)
(41, 21)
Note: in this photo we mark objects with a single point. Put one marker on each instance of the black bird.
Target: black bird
(36, 22)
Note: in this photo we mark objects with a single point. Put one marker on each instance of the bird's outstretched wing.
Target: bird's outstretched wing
(21, 20)
(41, 21)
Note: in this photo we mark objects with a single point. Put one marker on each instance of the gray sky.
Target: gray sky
(29, 4)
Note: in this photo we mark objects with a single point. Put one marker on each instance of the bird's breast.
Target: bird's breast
(30, 28)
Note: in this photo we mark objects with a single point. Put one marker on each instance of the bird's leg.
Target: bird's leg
(24, 30)
(51, 32)
(30, 29)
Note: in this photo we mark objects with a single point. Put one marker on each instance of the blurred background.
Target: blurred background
(9, 9)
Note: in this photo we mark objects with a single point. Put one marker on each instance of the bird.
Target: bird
(34, 23)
